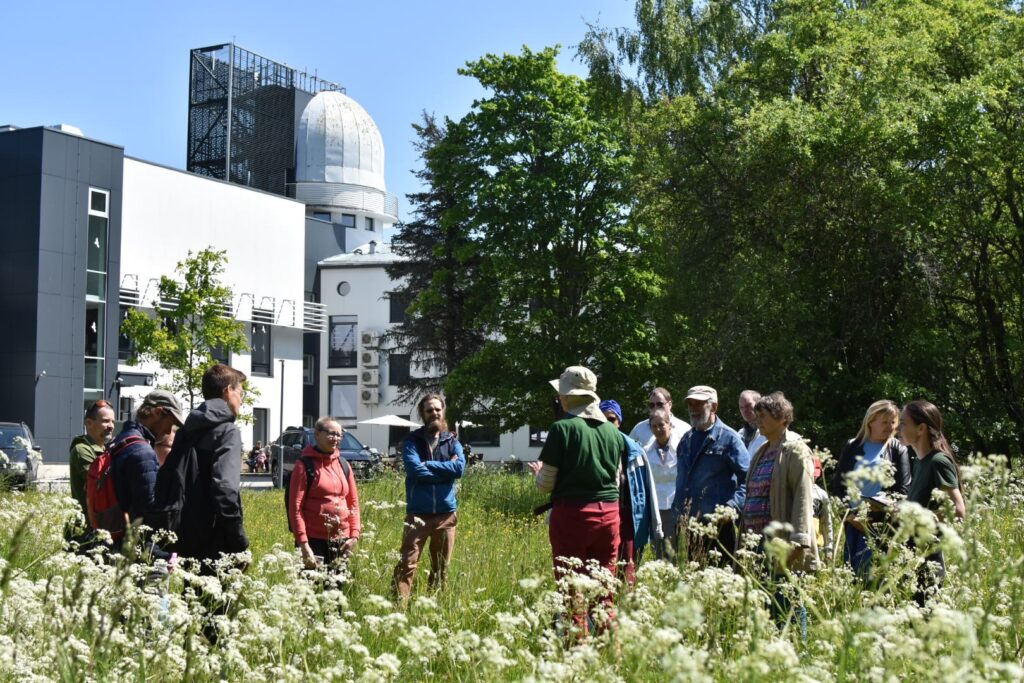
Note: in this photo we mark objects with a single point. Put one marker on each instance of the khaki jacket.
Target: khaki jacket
(791, 497)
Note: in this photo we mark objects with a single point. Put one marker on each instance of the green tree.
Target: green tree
(537, 177)
(834, 191)
(438, 275)
(192, 320)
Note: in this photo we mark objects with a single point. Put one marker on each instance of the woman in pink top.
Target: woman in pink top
(323, 510)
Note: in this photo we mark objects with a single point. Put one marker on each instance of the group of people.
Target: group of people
(680, 486)
(696, 486)
(147, 443)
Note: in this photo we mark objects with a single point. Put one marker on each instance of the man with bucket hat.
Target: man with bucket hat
(579, 467)
(711, 471)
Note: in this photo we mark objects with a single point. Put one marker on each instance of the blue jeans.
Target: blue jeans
(857, 552)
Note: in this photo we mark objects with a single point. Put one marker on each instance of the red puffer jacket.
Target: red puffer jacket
(329, 509)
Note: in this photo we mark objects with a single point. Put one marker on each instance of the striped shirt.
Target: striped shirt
(756, 511)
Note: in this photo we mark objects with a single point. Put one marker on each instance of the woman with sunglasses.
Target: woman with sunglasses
(323, 505)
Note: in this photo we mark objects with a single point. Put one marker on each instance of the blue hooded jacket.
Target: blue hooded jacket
(642, 496)
(430, 479)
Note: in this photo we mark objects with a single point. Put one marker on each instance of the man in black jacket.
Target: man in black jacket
(211, 430)
(135, 465)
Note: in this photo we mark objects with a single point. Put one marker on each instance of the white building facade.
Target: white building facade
(361, 376)
(166, 214)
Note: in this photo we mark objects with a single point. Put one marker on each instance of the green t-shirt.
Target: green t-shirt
(933, 472)
(83, 452)
(587, 455)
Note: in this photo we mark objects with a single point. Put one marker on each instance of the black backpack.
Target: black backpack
(311, 476)
(177, 504)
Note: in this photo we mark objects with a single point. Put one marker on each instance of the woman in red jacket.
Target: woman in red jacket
(324, 509)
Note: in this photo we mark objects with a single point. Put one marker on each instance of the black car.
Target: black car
(365, 461)
(19, 454)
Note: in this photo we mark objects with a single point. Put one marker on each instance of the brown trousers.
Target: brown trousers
(440, 530)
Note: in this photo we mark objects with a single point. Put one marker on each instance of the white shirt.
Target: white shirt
(662, 460)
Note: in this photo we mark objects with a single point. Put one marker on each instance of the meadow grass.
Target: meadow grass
(65, 616)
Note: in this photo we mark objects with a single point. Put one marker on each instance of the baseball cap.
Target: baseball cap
(702, 393)
(164, 399)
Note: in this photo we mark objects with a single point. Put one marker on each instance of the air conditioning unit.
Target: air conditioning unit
(369, 339)
(371, 378)
(371, 395)
(369, 359)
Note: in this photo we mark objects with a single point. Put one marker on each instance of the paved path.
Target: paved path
(55, 477)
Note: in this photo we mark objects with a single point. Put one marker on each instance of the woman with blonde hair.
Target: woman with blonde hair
(859, 477)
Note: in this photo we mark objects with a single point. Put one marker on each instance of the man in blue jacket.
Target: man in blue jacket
(433, 460)
(135, 466)
(711, 470)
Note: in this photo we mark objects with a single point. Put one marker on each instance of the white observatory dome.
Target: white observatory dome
(338, 142)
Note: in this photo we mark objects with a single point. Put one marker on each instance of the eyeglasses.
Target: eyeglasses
(331, 435)
(656, 404)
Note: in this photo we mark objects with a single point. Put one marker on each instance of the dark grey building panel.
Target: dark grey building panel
(44, 222)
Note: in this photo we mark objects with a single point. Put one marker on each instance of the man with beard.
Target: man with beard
(711, 467)
(433, 460)
(99, 427)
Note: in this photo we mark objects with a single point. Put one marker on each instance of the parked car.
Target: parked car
(19, 454)
(365, 461)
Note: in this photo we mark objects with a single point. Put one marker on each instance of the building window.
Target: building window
(348, 220)
(480, 435)
(398, 369)
(343, 397)
(125, 408)
(399, 304)
(396, 435)
(538, 435)
(260, 422)
(220, 354)
(262, 362)
(341, 342)
(322, 216)
(96, 294)
(308, 369)
(125, 346)
(369, 223)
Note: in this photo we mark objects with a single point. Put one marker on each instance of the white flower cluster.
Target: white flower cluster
(85, 616)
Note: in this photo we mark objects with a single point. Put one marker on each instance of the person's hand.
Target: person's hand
(851, 519)
(534, 466)
(308, 557)
(348, 546)
(796, 557)
(455, 456)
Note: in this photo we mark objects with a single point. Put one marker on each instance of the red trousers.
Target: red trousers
(585, 530)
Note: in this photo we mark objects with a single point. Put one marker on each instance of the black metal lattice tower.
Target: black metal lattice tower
(242, 115)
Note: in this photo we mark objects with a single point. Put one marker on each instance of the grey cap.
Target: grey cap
(164, 399)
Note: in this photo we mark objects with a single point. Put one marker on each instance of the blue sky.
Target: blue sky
(119, 71)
